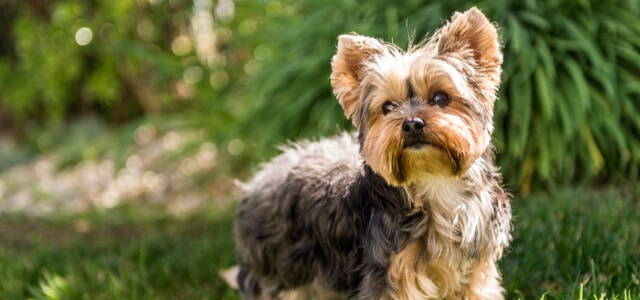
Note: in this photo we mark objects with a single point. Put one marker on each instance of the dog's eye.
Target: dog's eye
(440, 99)
(387, 107)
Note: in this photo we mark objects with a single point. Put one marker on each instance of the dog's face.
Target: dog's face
(427, 111)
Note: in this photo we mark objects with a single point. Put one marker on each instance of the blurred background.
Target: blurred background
(161, 104)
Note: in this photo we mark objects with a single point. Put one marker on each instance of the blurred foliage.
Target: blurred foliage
(568, 108)
(114, 59)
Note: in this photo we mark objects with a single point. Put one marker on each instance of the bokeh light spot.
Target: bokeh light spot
(225, 11)
(219, 79)
(235, 147)
(192, 75)
(181, 45)
(84, 36)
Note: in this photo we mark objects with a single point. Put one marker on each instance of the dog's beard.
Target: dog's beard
(402, 164)
(446, 147)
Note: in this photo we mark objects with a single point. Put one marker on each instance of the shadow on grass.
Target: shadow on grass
(116, 255)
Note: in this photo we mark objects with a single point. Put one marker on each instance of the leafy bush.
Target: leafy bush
(114, 59)
(572, 74)
(569, 99)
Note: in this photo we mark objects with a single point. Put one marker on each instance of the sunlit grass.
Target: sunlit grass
(572, 243)
(120, 254)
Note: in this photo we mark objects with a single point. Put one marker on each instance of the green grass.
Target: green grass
(571, 237)
(122, 254)
(572, 243)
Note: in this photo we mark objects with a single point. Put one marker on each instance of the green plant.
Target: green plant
(112, 59)
(571, 75)
(568, 104)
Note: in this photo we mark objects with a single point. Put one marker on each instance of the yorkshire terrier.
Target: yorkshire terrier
(411, 208)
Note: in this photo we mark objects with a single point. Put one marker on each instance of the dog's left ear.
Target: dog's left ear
(472, 31)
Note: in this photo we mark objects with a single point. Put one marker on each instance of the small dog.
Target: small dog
(415, 208)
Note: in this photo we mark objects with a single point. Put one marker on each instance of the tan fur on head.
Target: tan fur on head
(468, 33)
(461, 60)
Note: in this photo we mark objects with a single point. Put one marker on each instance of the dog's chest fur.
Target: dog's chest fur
(444, 246)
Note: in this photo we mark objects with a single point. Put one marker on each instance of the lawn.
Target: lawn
(570, 243)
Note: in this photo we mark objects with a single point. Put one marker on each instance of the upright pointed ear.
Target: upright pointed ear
(471, 31)
(347, 70)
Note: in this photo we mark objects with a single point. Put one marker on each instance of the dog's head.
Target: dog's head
(425, 111)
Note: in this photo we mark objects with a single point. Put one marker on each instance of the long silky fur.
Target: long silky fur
(317, 212)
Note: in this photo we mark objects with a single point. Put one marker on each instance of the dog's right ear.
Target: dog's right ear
(347, 70)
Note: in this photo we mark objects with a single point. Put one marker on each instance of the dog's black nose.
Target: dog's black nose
(413, 126)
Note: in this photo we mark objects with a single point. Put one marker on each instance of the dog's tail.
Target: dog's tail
(230, 276)
(241, 279)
